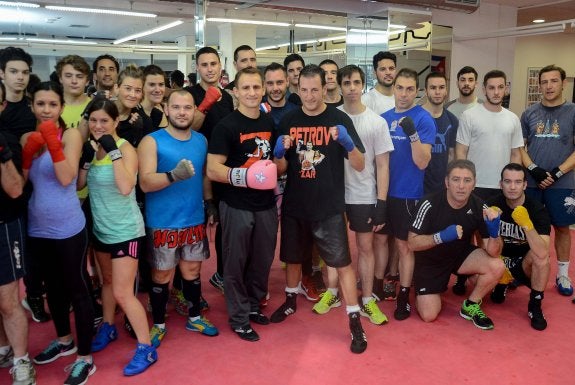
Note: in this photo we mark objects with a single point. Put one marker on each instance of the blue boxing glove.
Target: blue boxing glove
(448, 234)
(493, 226)
(280, 147)
(344, 139)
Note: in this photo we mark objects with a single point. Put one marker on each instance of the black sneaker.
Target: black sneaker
(35, 305)
(498, 293)
(217, 281)
(259, 318)
(247, 333)
(403, 308)
(358, 338)
(287, 308)
(459, 286)
(473, 312)
(54, 351)
(80, 370)
(538, 321)
(317, 278)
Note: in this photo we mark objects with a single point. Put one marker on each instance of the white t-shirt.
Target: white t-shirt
(490, 137)
(360, 186)
(378, 102)
(457, 108)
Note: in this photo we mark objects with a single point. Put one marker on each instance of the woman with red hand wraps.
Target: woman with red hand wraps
(56, 229)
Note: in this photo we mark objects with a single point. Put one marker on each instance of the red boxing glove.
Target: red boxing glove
(262, 175)
(50, 133)
(213, 94)
(33, 144)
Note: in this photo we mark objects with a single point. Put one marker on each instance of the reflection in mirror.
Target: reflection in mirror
(441, 50)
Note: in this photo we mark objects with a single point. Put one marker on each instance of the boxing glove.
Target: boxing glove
(406, 123)
(344, 139)
(213, 94)
(183, 170)
(521, 217)
(493, 224)
(87, 157)
(448, 234)
(50, 133)
(34, 143)
(378, 214)
(281, 147)
(108, 143)
(538, 173)
(262, 175)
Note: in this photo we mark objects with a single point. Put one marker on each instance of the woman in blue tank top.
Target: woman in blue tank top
(56, 229)
(109, 167)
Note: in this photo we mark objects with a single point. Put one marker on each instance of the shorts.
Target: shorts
(358, 217)
(400, 213)
(131, 248)
(12, 266)
(329, 235)
(515, 267)
(431, 275)
(168, 246)
(560, 204)
(486, 193)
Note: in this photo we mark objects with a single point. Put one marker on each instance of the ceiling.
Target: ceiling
(41, 22)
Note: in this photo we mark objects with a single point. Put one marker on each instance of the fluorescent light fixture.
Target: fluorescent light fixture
(149, 32)
(8, 38)
(18, 4)
(397, 26)
(327, 27)
(340, 37)
(244, 21)
(100, 11)
(275, 46)
(60, 41)
(539, 21)
(369, 31)
(515, 32)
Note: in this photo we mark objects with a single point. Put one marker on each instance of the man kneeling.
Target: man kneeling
(441, 236)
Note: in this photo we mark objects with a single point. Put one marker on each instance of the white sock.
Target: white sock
(333, 290)
(352, 309)
(563, 269)
(293, 290)
(18, 359)
(194, 318)
(160, 326)
(365, 300)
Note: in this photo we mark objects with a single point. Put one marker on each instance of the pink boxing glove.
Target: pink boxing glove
(262, 175)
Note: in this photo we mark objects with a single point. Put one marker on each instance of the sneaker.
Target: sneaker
(326, 303)
(23, 373)
(204, 305)
(179, 302)
(203, 326)
(538, 321)
(289, 307)
(390, 289)
(247, 333)
(458, 287)
(473, 312)
(403, 308)
(264, 301)
(145, 356)
(35, 305)
(80, 370)
(371, 310)
(6, 359)
(498, 293)
(259, 318)
(157, 334)
(564, 285)
(128, 327)
(358, 338)
(217, 281)
(54, 351)
(317, 279)
(106, 334)
(307, 289)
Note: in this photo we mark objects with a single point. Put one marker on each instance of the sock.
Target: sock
(192, 292)
(293, 290)
(365, 300)
(562, 269)
(352, 309)
(333, 290)
(4, 350)
(159, 300)
(16, 360)
(535, 296)
(65, 343)
(161, 326)
(194, 318)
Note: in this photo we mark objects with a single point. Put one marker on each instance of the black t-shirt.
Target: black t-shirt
(18, 118)
(315, 188)
(445, 136)
(11, 209)
(218, 111)
(514, 240)
(244, 141)
(434, 214)
(294, 98)
(156, 115)
(336, 104)
(134, 132)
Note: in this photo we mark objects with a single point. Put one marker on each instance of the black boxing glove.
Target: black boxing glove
(5, 152)
(378, 213)
(537, 173)
(109, 145)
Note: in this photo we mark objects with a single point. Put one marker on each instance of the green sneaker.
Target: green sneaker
(157, 335)
(326, 302)
(371, 310)
(474, 313)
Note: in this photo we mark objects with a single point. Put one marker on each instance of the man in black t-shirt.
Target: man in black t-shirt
(525, 228)
(239, 157)
(314, 141)
(440, 237)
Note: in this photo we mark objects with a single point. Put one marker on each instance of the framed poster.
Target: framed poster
(533, 94)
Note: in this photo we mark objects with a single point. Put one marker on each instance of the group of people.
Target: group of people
(129, 179)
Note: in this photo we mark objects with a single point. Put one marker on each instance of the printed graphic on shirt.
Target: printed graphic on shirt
(547, 129)
(569, 203)
(512, 233)
(393, 129)
(440, 145)
(308, 140)
(260, 142)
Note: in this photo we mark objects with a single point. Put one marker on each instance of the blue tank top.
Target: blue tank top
(53, 210)
(181, 204)
(117, 217)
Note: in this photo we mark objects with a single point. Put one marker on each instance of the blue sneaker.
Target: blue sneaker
(144, 357)
(203, 326)
(106, 334)
(564, 285)
(80, 370)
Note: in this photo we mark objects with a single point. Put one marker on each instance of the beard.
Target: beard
(495, 103)
(179, 126)
(466, 92)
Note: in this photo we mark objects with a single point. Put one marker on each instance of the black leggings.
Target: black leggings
(65, 274)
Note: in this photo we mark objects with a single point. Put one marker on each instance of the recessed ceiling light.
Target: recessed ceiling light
(537, 21)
